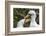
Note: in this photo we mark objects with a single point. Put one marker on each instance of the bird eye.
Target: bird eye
(30, 14)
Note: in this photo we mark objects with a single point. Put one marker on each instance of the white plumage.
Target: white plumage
(32, 23)
(20, 23)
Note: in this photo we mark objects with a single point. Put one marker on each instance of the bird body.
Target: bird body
(33, 24)
(20, 23)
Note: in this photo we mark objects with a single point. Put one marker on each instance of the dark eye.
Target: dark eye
(30, 14)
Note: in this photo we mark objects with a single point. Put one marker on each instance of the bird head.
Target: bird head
(32, 14)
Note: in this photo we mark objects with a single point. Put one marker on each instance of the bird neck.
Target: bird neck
(33, 18)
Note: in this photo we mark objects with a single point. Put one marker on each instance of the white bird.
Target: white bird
(32, 20)
(33, 17)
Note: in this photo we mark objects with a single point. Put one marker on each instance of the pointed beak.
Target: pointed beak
(27, 17)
